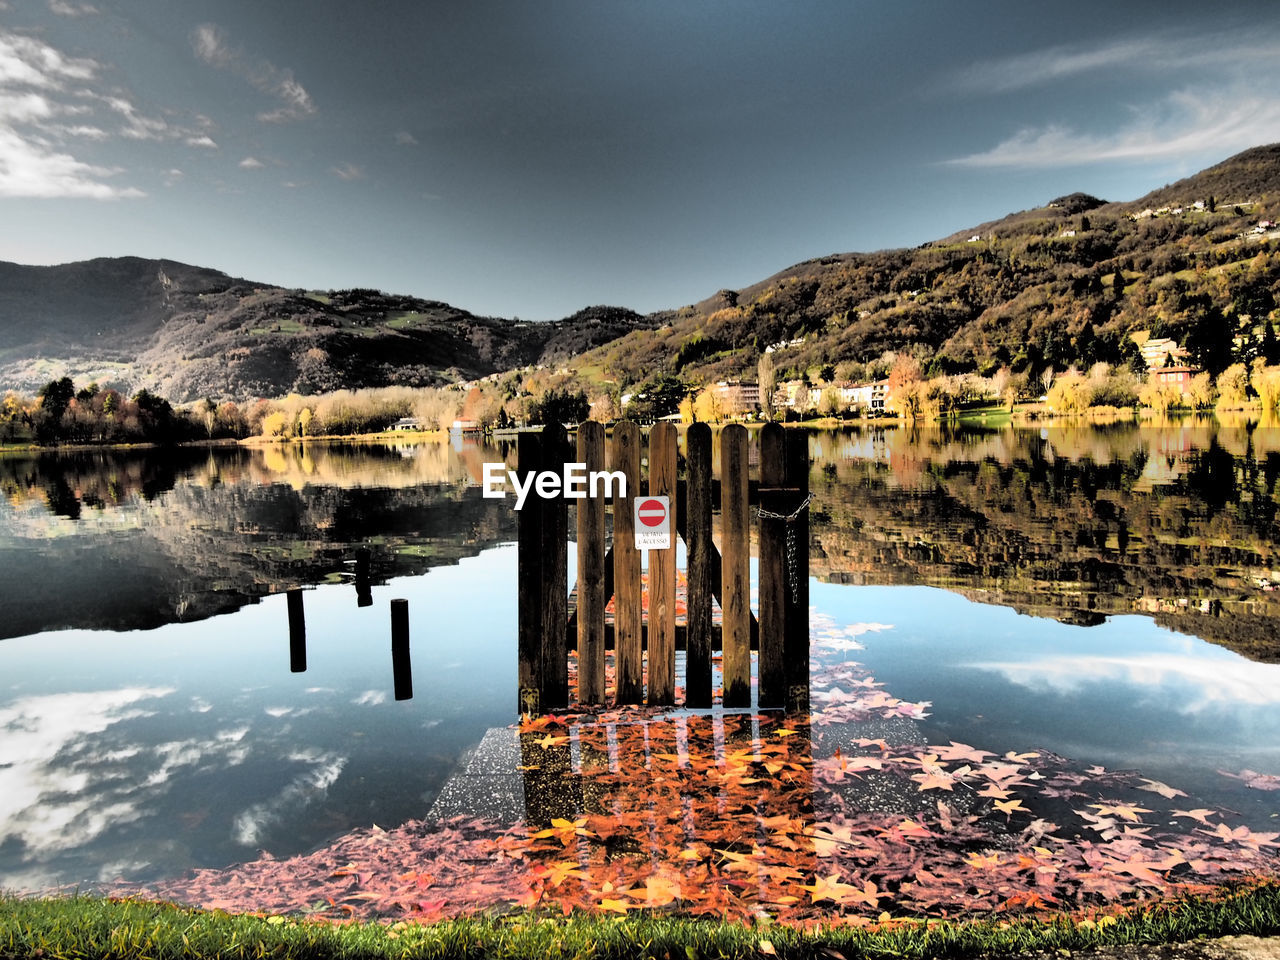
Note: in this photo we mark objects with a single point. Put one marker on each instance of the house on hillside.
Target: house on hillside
(1162, 352)
(737, 396)
(1177, 376)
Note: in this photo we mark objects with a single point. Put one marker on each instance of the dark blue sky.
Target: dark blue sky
(531, 158)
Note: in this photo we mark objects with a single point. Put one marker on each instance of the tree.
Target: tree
(768, 384)
(1233, 386)
(304, 421)
(560, 405)
(55, 397)
(1200, 393)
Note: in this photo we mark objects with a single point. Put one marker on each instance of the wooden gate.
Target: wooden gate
(548, 626)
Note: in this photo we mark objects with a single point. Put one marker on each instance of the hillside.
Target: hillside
(186, 332)
(1060, 284)
(1067, 283)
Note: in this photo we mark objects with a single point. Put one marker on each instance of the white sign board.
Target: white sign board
(653, 523)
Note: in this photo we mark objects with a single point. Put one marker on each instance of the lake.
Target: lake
(1081, 619)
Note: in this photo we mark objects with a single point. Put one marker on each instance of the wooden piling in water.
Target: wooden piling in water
(627, 612)
(297, 632)
(662, 572)
(796, 636)
(699, 547)
(736, 566)
(401, 669)
(555, 574)
(591, 571)
(529, 620)
(774, 500)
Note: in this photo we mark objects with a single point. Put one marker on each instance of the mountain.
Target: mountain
(1060, 284)
(187, 332)
(1066, 283)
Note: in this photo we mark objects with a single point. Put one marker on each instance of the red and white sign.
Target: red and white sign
(653, 523)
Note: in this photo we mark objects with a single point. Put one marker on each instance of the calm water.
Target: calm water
(1044, 590)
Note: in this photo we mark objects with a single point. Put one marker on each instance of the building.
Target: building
(1162, 352)
(737, 396)
(407, 423)
(465, 428)
(1178, 376)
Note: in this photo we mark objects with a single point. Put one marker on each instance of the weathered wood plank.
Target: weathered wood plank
(529, 586)
(699, 549)
(662, 573)
(626, 567)
(591, 572)
(772, 689)
(736, 568)
(555, 577)
(796, 637)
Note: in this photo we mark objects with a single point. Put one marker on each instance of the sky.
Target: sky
(532, 157)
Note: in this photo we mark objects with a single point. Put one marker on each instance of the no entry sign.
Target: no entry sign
(653, 523)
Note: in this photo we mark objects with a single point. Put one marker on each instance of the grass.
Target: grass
(84, 927)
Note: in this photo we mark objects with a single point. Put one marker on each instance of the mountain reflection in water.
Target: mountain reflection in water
(1175, 521)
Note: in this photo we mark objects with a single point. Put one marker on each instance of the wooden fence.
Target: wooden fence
(548, 627)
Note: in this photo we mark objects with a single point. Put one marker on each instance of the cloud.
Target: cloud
(210, 44)
(1186, 123)
(251, 163)
(64, 9)
(1192, 683)
(348, 171)
(41, 88)
(202, 140)
(405, 139)
(1162, 52)
(31, 169)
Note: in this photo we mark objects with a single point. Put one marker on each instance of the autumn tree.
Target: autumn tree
(1233, 386)
(767, 379)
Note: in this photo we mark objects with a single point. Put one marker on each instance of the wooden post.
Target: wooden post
(626, 567)
(662, 572)
(736, 568)
(297, 632)
(529, 588)
(773, 575)
(401, 670)
(364, 589)
(796, 637)
(698, 506)
(591, 575)
(555, 575)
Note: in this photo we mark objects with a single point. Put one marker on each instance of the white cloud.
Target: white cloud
(40, 88)
(1193, 683)
(405, 139)
(1225, 54)
(210, 43)
(1185, 124)
(348, 171)
(32, 169)
(202, 140)
(251, 163)
(64, 9)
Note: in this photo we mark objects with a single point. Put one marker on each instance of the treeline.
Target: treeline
(59, 413)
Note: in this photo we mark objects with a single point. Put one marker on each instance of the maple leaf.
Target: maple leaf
(931, 780)
(1258, 781)
(659, 891)
(549, 741)
(983, 861)
(616, 906)
(1127, 811)
(1200, 814)
(963, 752)
(991, 790)
(1155, 786)
(1008, 806)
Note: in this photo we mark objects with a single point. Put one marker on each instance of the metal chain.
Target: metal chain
(793, 572)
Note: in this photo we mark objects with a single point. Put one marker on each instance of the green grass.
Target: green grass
(85, 927)
(404, 320)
